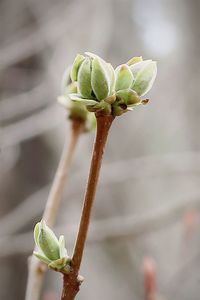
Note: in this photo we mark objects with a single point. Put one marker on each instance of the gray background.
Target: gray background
(149, 196)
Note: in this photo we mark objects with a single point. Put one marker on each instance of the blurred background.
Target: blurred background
(148, 202)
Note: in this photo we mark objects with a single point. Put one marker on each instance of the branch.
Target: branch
(36, 268)
(71, 282)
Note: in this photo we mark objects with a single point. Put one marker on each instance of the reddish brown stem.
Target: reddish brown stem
(72, 281)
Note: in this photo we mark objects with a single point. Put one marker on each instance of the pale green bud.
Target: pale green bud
(77, 109)
(110, 99)
(72, 88)
(144, 73)
(101, 88)
(118, 110)
(111, 73)
(42, 257)
(58, 264)
(51, 250)
(108, 69)
(84, 79)
(135, 68)
(76, 65)
(36, 233)
(100, 79)
(134, 60)
(62, 249)
(67, 86)
(78, 98)
(128, 97)
(92, 55)
(47, 241)
(95, 78)
(124, 77)
(104, 107)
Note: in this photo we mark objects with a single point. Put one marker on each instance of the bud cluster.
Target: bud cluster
(51, 251)
(100, 87)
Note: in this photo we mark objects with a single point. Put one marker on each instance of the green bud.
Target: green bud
(66, 85)
(137, 67)
(110, 99)
(50, 250)
(134, 60)
(77, 110)
(62, 249)
(95, 78)
(91, 55)
(119, 109)
(128, 97)
(78, 98)
(36, 233)
(101, 88)
(84, 79)
(124, 77)
(103, 106)
(110, 76)
(111, 73)
(58, 264)
(145, 76)
(41, 257)
(71, 88)
(99, 79)
(75, 67)
(48, 242)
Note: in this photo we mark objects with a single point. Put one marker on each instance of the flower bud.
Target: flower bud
(75, 67)
(46, 241)
(62, 249)
(71, 88)
(78, 98)
(51, 250)
(118, 110)
(42, 257)
(77, 109)
(144, 73)
(104, 107)
(100, 79)
(110, 99)
(134, 60)
(111, 73)
(84, 79)
(124, 77)
(59, 264)
(128, 97)
(95, 78)
(100, 87)
(67, 85)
